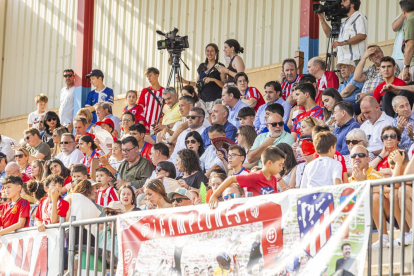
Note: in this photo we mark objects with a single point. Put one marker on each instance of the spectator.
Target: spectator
(108, 125)
(37, 148)
(128, 199)
(57, 137)
(185, 104)
(287, 78)
(55, 167)
(273, 92)
(159, 153)
(325, 79)
(188, 163)
(361, 170)
(398, 27)
(220, 115)
(274, 109)
(356, 137)
(101, 93)
(165, 171)
(324, 170)
(84, 112)
(353, 33)
(3, 163)
(236, 159)
(210, 80)
(67, 98)
(376, 121)
(135, 170)
(16, 214)
(261, 182)
(6, 147)
(38, 166)
(105, 194)
(350, 88)
(36, 190)
(70, 154)
(138, 131)
(41, 103)
(407, 8)
(231, 98)
(296, 110)
(115, 208)
(128, 119)
(22, 159)
(404, 121)
(107, 112)
(194, 142)
(249, 95)
(387, 67)
(305, 95)
(52, 122)
(115, 160)
(307, 152)
(13, 169)
(275, 136)
(245, 137)
(233, 191)
(188, 90)
(89, 150)
(232, 49)
(214, 182)
(170, 110)
(150, 99)
(137, 110)
(330, 97)
(155, 193)
(408, 202)
(80, 125)
(285, 180)
(344, 118)
(246, 116)
(307, 125)
(79, 172)
(181, 197)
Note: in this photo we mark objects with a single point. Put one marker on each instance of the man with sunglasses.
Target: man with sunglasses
(181, 197)
(37, 148)
(69, 153)
(361, 170)
(67, 98)
(185, 104)
(232, 192)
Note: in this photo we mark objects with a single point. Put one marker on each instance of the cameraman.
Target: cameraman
(353, 33)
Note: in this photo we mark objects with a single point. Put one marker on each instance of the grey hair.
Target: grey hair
(395, 99)
(169, 90)
(358, 134)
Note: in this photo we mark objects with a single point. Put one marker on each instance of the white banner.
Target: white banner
(319, 231)
(30, 253)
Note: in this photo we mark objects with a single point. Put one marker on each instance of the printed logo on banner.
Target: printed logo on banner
(145, 229)
(345, 197)
(254, 211)
(312, 210)
(271, 235)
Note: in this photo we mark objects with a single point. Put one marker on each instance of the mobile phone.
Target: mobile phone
(357, 97)
(217, 66)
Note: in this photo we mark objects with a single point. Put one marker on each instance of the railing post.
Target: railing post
(381, 230)
(61, 246)
(112, 248)
(371, 190)
(71, 249)
(403, 228)
(391, 252)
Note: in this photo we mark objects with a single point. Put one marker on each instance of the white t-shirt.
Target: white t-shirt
(209, 158)
(373, 132)
(321, 172)
(74, 158)
(66, 105)
(32, 119)
(300, 169)
(115, 164)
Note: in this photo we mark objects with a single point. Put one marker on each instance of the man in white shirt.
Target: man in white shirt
(6, 144)
(376, 121)
(70, 154)
(67, 98)
(209, 159)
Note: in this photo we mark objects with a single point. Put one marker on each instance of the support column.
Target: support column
(309, 32)
(84, 46)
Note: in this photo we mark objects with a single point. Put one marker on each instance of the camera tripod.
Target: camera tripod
(330, 55)
(175, 73)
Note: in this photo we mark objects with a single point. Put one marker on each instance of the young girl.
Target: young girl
(215, 180)
(132, 106)
(115, 158)
(55, 167)
(37, 191)
(38, 168)
(52, 207)
(155, 193)
(88, 147)
(127, 198)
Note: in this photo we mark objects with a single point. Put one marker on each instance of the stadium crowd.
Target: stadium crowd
(219, 138)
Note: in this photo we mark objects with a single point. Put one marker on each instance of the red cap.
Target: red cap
(106, 121)
(307, 148)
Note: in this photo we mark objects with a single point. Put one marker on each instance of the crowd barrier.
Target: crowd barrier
(77, 242)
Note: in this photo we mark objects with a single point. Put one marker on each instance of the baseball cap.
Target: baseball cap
(346, 62)
(115, 205)
(95, 73)
(106, 121)
(180, 191)
(2, 155)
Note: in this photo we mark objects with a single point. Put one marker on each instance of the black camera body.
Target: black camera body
(333, 12)
(172, 41)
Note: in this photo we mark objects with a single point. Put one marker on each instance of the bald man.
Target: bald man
(275, 136)
(361, 170)
(325, 79)
(376, 120)
(220, 115)
(13, 168)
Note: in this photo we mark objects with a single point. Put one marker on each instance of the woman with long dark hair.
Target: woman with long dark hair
(232, 49)
(51, 122)
(193, 141)
(56, 167)
(289, 167)
(330, 97)
(89, 150)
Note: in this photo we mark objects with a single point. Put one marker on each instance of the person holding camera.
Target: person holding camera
(351, 42)
(210, 80)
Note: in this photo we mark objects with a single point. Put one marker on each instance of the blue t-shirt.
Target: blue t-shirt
(106, 95)
(358, 85)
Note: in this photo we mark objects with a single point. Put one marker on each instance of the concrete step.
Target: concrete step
(396, 262)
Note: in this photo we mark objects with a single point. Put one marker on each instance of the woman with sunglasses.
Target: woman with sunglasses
(57, 135)
(89, 150)
(21, 155)
(330, 97)
(355, 137)
(156, 195)
(127, 198)
(193, 141)
(51, 122)
(390, 136)
(55, 166)
(38, 169)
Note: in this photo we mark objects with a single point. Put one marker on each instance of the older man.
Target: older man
(171, 110)
(325, 79)
(181, 197)
(13, 168)
(38, 149)
(219, 115)
(135, 170)
(209, 159)
(288, 76)
(185, 104)
(376, 121)
(275, 136)
(80, 126)
(70, 154)
(350, 88)
(107, 111)
(344, 118)
(230, 97)
(361, 170)
(234, 191)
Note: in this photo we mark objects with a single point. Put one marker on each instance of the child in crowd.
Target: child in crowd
(36, 190)
(132, 106)
(324, 170)
(106, 194)
(41, 102)
(78, 172)
(237, 157)
(261, 182)
(16, 214)
(52, 207)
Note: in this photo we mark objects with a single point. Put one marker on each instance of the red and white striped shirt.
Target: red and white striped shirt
(328, 80)
(253, 92)
(106, 196)
(44, 210)
(287, 87)
(151, 107)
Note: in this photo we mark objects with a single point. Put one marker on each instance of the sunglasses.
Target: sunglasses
(354, 142)
(112, 213)
(3, 199)
(276, 124)
(187, 142)
(179, 200)
(18, 156)
(66, 142)
(51, 119)
(360, 155)
(68, 75)
(192, 117)
(230, 196)
(392, 136)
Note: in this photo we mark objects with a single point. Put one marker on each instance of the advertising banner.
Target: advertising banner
(321, 231)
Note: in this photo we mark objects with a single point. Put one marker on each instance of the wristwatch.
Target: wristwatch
(346, 42)
(407, 66)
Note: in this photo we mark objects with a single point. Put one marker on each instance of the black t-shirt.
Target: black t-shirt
(195, 180)
(211, 91)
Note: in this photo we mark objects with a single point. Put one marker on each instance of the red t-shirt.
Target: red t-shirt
(378, 93)
(67, 180)
(146, 151)
(106, 196)
(253, 92)
(338, 157)
(151, 107)
(44, 210)
(328, 80)
(257, 183)
(383, 165)
(10, 214)
(138, 112)
(25, 178)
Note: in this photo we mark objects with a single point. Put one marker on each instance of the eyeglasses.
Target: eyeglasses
(128, 150)
(18, 156)
(276, 124)
(68, 75)
(233, 155)
(51, 119)
(230, 196)
(27, 138)
(66, 142)
(112, 213)
(392, 136)
(179, 199)
(192, 141)
(360, 155)
(192, 117)
(354, 142)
